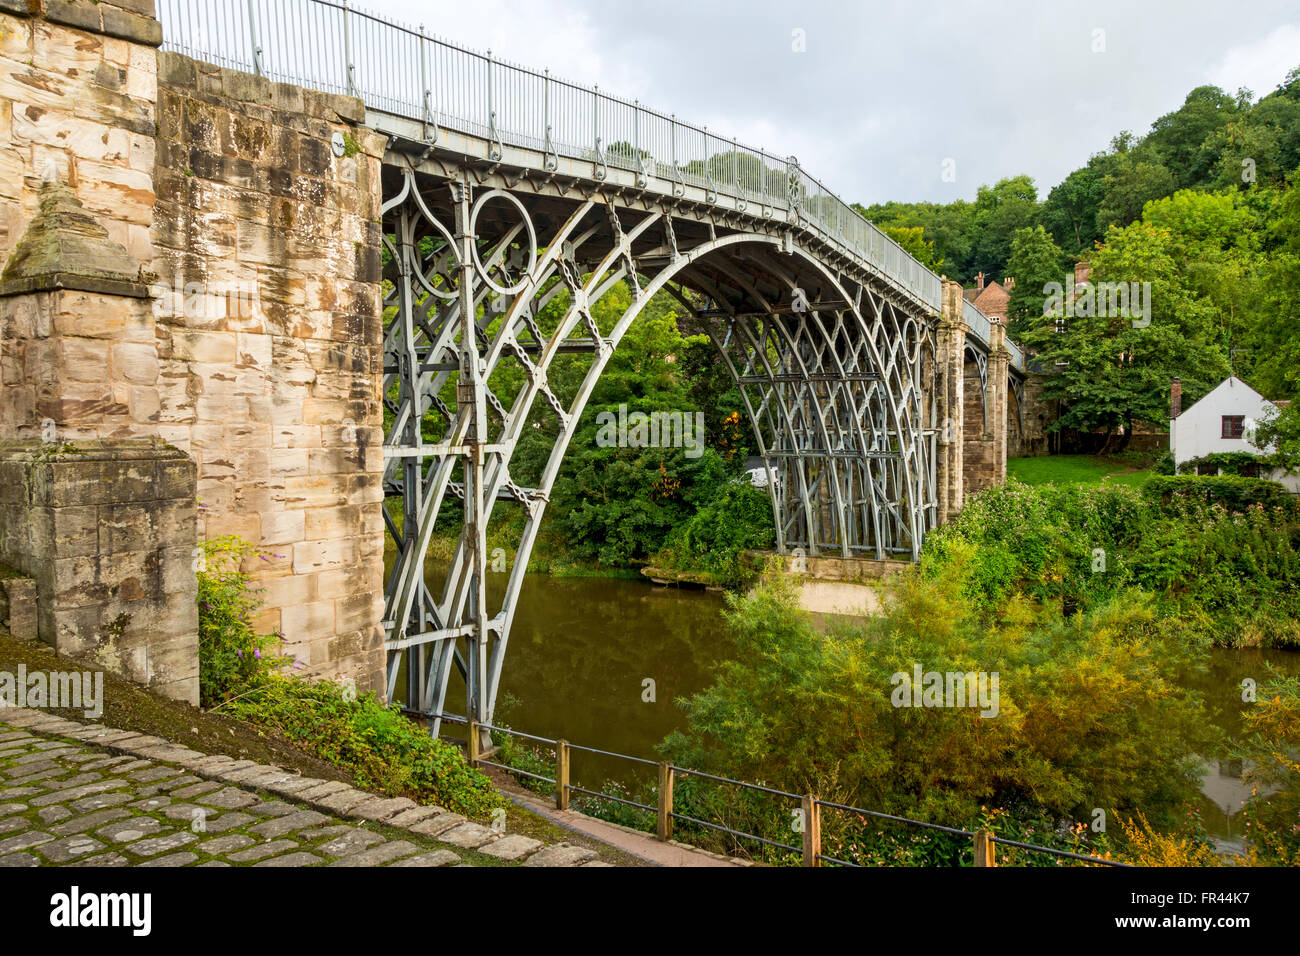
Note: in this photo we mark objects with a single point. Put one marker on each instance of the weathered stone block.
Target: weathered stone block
(18, 606)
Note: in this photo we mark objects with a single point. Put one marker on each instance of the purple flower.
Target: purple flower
(239, 653)
(257, 654)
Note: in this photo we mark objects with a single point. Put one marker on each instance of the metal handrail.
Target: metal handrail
(816, 803)
(332, 46)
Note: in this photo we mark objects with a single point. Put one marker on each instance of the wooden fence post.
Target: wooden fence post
(985, 854)
(561, 775)
(474, 754)
(812, 831)
(664, 824)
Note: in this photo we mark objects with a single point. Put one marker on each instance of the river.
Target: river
(582, 650)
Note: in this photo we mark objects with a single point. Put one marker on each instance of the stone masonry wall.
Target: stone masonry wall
(270, 344)
(77, 89)
(107, 531)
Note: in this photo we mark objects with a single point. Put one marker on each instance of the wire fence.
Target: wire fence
(394, 68)
(806, 810)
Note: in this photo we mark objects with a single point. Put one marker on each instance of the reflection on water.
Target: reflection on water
(582, 649)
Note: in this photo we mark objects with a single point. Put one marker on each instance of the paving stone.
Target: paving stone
(343, 800)
(226, 844)
(439, 824)
(90, 821)
(228, 821)
(436, 858)
(195, 790)
(8, 808)
(229, 798)
(150, 804)
(23, 841)
(596, 863)
(19, 859)
(354, 841)
(324, 790)
(293, 786)
(293, 859)
(154, 774)
(69, 849)
(43, 756)
(279, 826)
(212, 863)
(562, 854)
(255, 770)
(471, 836)
(118, 763)
(512, 846)
(130, 830)
(161, 844)
(409, 818)
(13, 793)
(99, 802)
(113, 860)
(184, 812)
(54, 814)
(378, 855)
(13, 825)
(262, 851)
(379, 809)
(75, 793)
(175, 859)
(274, 808)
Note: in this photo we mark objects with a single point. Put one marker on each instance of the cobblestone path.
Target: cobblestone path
(74, 794)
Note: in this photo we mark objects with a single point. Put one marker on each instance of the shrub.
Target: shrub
(232, 655)
(1232, 491)
(378, 746)
(737, 519)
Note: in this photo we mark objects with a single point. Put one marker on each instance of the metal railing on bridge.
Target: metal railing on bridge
(333, 47)
(808, 806)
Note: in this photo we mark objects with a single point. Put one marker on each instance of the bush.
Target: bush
(1088, 715)
(738, 518)
(379, 747)
(232, 655)
(1232, 491)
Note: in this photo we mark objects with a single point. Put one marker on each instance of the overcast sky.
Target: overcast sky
(887, 91)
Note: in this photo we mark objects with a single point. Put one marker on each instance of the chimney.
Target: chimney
(1082, 270)
(1176, 398)
(979, 282)
(1009, 283)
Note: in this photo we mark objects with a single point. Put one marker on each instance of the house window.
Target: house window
(1234, 426)
(1248, 471)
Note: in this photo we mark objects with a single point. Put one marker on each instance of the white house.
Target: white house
(1223, 421)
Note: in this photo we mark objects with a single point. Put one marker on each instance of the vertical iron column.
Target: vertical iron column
(471, 401)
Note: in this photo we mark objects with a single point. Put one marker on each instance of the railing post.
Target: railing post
(430, 125)
(474, 754)
(252, 35)
(561, 775)
(347, 52)
(812, 831)
(495, 146)
(984, 852)
(664, 823)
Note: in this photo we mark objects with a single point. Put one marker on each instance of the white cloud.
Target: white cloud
(1259, 66)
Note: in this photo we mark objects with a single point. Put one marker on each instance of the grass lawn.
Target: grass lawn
(1076, 470)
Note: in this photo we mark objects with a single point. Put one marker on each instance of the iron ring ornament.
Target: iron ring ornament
(527, 220)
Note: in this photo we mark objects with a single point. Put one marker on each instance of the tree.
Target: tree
(999, 211)
(1035, 262)
(1070, 212)
(1129, 188)
(1114, 370)
(1177, 138)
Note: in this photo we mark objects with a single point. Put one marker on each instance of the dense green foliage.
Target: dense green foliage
(232, 655)
(1222, 567)
(814, 712)
(739, 518)
(381, 749)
